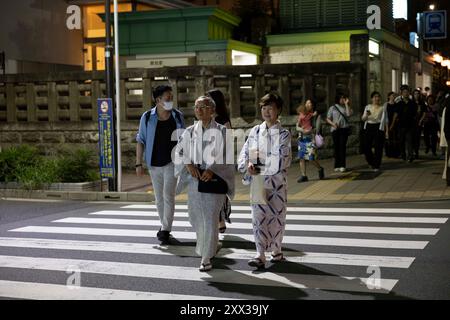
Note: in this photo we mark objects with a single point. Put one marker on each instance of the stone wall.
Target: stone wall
(48, 110)
(311, 52)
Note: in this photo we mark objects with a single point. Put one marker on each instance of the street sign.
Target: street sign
(106, 137)
(435, 24)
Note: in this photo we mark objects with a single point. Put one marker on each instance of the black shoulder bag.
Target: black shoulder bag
(216, 185)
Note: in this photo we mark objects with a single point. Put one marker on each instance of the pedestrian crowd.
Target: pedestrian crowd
(175, 157)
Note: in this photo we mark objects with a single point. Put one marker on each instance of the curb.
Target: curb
(77, 195)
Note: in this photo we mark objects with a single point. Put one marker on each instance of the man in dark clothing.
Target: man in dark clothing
(406, 117)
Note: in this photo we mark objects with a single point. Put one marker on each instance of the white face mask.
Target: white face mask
(168, 106)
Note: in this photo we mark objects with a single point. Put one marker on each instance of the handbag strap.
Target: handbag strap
(346, 119)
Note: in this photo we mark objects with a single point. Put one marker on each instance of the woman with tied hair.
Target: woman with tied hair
(267, 152)
(222, 117)
(200, 160)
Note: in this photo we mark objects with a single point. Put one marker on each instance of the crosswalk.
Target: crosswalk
(113, 254)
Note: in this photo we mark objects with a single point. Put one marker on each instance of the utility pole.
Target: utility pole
(109, 79)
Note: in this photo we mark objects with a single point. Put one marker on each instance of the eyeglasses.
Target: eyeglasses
(202, 107)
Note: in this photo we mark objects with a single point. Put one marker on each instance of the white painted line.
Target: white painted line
(289, 217)
(46, 291)
(239, 277)
(248, 226)
(316, 209)
(326, 241)
(189, 251)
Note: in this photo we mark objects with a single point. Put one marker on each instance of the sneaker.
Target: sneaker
(302, 179)
(342, 169)
(321, 173)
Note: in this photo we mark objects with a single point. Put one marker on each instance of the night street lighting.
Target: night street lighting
(432, 7)
(437, 58)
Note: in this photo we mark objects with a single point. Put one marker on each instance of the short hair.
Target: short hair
(375, 93)
(339, 96)
(270, 98)
(159, 91)
(206, 100)
(427, 88)
(404, 87)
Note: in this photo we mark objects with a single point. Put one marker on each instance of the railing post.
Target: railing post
(74, 101)
(52, 102)
(235, 97)
(31, 103)
(283, 91)
(11, 109)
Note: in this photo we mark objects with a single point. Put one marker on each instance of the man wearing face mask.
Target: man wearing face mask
(156, 129)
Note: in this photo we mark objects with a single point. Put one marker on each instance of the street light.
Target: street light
(445, 63)
(437, 58)
(432, 7)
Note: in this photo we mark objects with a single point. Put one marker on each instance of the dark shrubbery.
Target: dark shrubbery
(24, 164)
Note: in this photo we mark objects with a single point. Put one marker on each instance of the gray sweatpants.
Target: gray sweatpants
(164, 184)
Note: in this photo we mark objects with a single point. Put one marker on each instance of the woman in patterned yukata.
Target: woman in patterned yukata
(201, 155)
(273, 145)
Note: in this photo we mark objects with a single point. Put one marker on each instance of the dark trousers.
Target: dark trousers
(340, 137)
(393, 144)
(406, 136)
(373, 138)
(417, 133)
(430, 136)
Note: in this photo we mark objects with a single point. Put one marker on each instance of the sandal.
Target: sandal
(257, 262)
(277, 258)
(222, 229)
(205, 267)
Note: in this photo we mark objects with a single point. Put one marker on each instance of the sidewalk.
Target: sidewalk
(397, 181)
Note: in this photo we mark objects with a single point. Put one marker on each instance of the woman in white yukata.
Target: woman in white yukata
(200, 158)
(273, 145)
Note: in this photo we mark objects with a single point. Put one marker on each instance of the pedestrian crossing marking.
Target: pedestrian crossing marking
(145, 220)
(188, 251)
(248, 226)
(241, 277)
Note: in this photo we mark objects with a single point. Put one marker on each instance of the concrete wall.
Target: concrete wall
(35, 37)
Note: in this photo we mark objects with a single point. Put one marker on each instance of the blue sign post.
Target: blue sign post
(106, 138)
(435, 24)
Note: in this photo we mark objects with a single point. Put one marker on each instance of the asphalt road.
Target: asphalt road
(76, 250)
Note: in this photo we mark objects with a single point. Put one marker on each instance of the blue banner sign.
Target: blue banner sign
(106, 137)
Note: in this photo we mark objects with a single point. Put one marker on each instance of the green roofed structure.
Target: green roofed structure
(181, 37)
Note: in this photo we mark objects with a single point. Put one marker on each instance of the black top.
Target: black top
(222, 120)
(390, 108)
(407, 113)
(163, 144)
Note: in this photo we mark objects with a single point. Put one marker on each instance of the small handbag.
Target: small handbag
(318, 140)
(216, 185)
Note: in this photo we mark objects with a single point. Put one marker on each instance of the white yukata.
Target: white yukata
(269, 220)
(204, 208)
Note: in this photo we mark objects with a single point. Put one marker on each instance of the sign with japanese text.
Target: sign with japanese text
(106, 137)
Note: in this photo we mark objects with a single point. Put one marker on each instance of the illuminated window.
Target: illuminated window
(374, 47)
(394, 80)
(400, 9)
(240, 58)
(405, 78)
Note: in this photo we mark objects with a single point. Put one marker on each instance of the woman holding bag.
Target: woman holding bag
(272, 143)
(308, 126)
(200, 165)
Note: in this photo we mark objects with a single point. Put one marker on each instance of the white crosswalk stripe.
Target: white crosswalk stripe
(390, 228)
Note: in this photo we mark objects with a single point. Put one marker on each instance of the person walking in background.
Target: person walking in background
(392, 145)
(338, 118)
(207, 180)
(406, 115)
(419, 101)
(430, 123)
(308, 125)
(375, 129)
(222, 117)
(154, 141)
(445, 136)
(268, 219)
